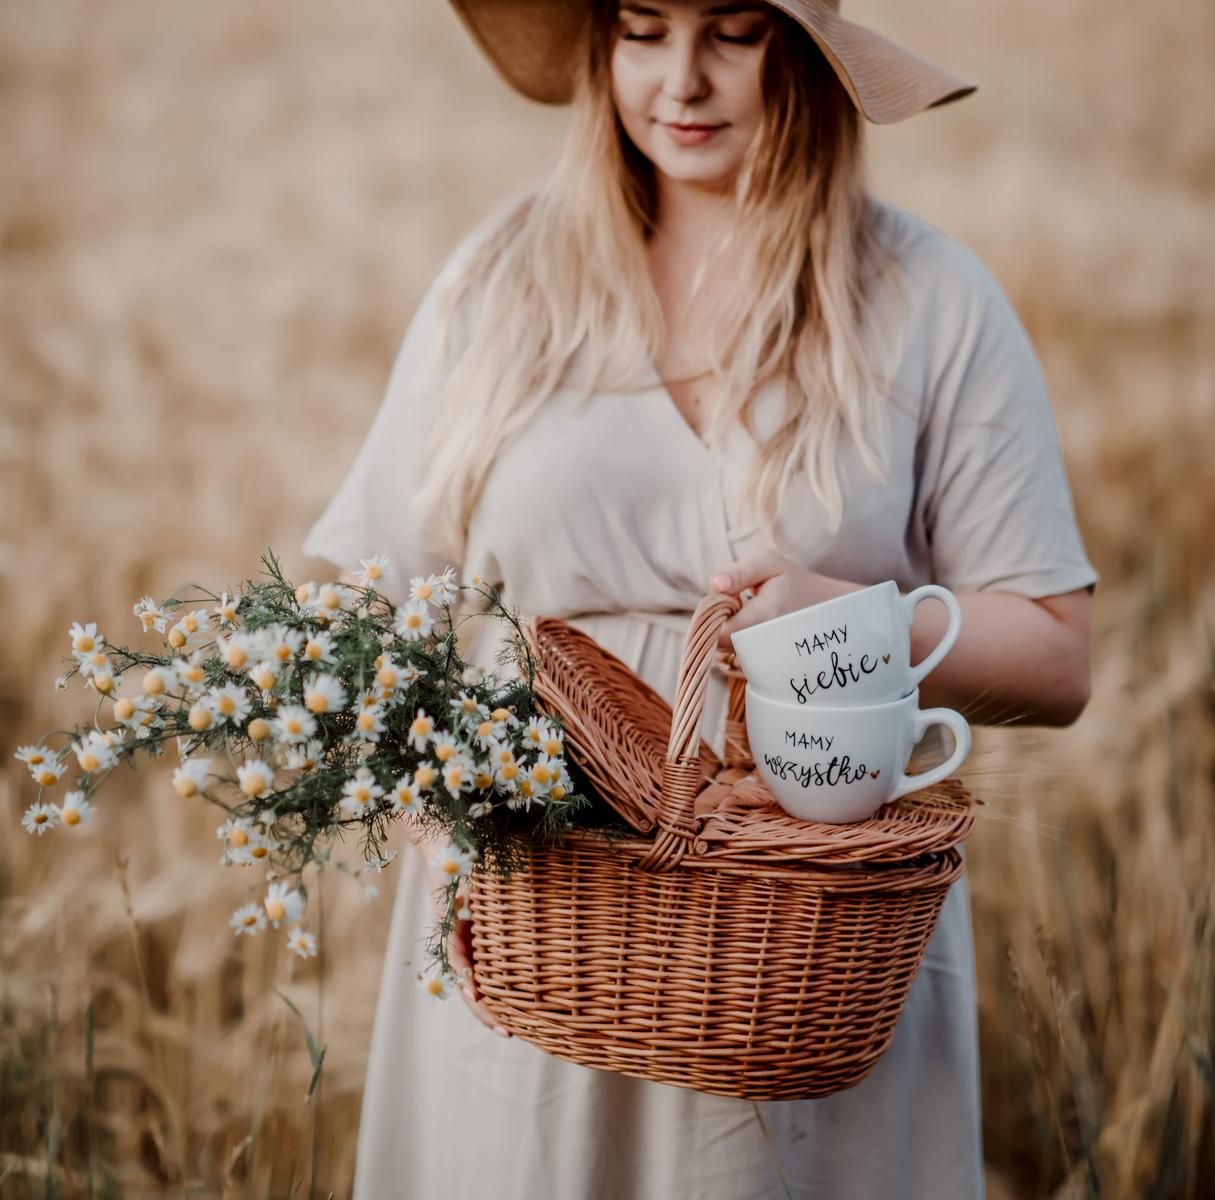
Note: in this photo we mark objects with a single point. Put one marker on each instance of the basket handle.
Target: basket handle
(681, 771)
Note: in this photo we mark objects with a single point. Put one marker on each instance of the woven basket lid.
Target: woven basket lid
(620, 733)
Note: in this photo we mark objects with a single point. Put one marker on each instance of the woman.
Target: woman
(692, 353)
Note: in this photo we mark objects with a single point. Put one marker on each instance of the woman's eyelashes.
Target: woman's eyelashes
(747, 39)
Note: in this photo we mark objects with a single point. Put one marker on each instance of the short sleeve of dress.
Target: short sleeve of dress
(373, 509)
(994, 503)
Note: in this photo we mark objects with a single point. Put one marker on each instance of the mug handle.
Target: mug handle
(933, 591)
(924, 721)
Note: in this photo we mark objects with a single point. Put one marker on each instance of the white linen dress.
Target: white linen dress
(619, 536)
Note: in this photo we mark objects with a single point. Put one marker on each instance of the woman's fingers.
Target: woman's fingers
(459, 954)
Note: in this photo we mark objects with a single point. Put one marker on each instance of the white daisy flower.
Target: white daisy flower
(91, 661)
(536, 732)
(40, 817)
(331, 599)
(61, 682)
(301, 942)
(389, 674)
(93, 753)
(236, 650)
(436, 983)
(488, 734)
(254, 849)
(319, 648)
(421, 728)
(443, 746)
(422, 588)
(505, 715)
(552, 744)
(467, 707)
(409, 674)
(453, 862)
(103, 681)
(543, 773)
(230, 703)
(472, 675)
(373, 571)
(413, 621)
(34, 756)
(189, 627)
(480, 809)
(151, 615)
(360, 793)
(379, 863)
(281, 643)
(138, 713)
(191, 777)
(85, 638)
(264, 674)
(48, 772)
(249, 918)
(255, 777)
(405, 796)
(283, 903)
(75, 809)
(324, 693)
(225, 611)
(294, 723)
(159, 680)
(369, 721)
(458, 774)
(305, 758)
(236, 831)
(190, 672)
(507, 770)
(424, 776)
(523, 794)
(447, 587)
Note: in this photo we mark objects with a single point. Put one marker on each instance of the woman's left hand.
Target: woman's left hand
(777, 586)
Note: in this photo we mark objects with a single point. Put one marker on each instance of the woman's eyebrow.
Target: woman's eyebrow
(718, 10)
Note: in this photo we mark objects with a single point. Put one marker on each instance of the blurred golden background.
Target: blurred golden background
(214, 223)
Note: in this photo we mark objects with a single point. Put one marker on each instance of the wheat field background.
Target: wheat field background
(214, 223)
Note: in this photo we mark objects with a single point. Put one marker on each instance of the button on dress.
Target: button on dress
(619, 535)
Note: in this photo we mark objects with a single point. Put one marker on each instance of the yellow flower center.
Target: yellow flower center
(434, 987)
(316, 702)
(450, 867)
(70, 816)
(282, 652)
(405, 796)
(238, 837)
(509, 770)
(195, 674)
(235, 657)
(500, 714)
(41, 818)
(557, 792)
(88, 761)
(424, 776)
(249, 919)
(153, 683)
(254, 784)
(443, 752)
(552, 747)
(259, 729)
(425, 591)
(200, 717)
(103, 681)
(366, 720)
(301, 593)
(413, 620)
(265, 679)
(190, 623)
(276, 910)
(185, 786)
(258, 852)
(387, 677)
(484, 780)
(330, 599)
(420, 726)
(46, 778)
(374, 571)
(312, 651)
(83, 643)
(227, 705)
(485, 729)
(541, 773)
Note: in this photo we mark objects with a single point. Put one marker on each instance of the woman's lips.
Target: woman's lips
(690, 135)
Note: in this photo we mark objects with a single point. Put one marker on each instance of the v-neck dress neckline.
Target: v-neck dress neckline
(659, 385)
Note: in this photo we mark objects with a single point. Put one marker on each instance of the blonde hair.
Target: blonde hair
(565, 265)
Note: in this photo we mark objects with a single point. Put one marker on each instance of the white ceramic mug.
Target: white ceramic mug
(842, 763)
(855, 649)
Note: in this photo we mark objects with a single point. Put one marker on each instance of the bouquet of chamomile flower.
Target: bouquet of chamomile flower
(303, 711)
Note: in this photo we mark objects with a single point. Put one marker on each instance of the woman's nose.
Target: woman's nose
(685, 77)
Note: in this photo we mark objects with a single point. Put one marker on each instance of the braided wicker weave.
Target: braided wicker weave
(726, 946)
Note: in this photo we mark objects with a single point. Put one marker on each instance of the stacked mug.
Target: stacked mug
(832, 702)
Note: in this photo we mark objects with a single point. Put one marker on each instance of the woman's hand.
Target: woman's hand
(777, 586)
(459, 954)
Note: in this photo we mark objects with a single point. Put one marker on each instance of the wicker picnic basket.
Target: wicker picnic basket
(723, 945)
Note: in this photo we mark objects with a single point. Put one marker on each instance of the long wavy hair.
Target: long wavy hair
(564, 267)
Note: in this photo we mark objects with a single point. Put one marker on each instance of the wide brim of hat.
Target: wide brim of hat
(532, 44)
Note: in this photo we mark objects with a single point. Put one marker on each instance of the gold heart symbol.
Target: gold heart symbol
(874, 774)
(885, 658)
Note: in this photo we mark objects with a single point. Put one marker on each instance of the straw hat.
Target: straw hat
(532, 44)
